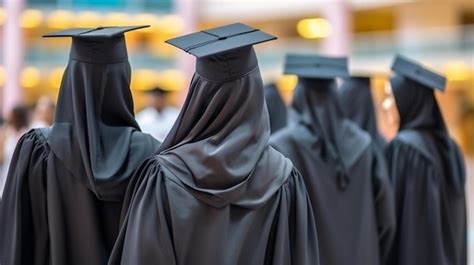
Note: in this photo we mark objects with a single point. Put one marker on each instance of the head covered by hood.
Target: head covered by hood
(356, 99)
(316, 105)
(218, 147)
(416, 105)
(419, 112)
(95, 134)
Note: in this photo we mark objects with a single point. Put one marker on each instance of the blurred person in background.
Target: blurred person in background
(344, 172)
(15, 126)
(159, 115)
(358, 106)
(43, 114)
(428, 174)
(276, 107)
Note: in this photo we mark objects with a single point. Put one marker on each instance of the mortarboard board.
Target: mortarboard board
(221, 39)
(418, 73)
(97, 45)
(315, 66)
(99, 32)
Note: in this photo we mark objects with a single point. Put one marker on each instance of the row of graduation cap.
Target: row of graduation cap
(93, 189)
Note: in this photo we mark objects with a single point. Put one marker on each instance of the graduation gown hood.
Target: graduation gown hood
(94, 113)
(427, 171)
(347, 182)
(317, 106)
(358, 106)
(66, 185)
(217, 193)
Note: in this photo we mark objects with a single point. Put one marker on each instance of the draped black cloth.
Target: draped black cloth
(428, 175)
(347, 181)
(276, 108)
(358, 106)
(217, 193)
(66, 184)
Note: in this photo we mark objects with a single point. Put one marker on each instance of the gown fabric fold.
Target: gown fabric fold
(217, 193)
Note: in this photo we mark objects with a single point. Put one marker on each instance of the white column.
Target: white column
(339, 15)
(188, 11)
(12, 54)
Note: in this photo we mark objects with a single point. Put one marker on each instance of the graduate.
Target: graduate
(358, 105)
(347, 181)
(66, 183)
(427, 171)
(276, 108)
(217, 193)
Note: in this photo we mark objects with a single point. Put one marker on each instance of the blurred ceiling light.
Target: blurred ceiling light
(457, 71)
(55, 77)
(31, 18)
(87, 19)
(146, 19)
(287, 82)
(60, 19)
(2, 16)
(117, 18)
(30, 77)
(2, 76)
(171, 24)
(314, 28)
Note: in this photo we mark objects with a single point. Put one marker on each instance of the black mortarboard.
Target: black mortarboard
(418, 73)
(315, 66)
(221, 39)
(99, 32)
(97, 45)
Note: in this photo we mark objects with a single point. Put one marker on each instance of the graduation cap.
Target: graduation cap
(221, 39)
(315, 66)
(97, 45)
(414, 71)
(99, 32)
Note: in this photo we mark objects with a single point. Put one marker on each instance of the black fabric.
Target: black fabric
(276, 108)
(428, 175)
(358, 106)
(64, 191)
(217, 193)
(94, 113)
(347, 181)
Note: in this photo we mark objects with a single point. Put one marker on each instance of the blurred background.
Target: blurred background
(438, 33)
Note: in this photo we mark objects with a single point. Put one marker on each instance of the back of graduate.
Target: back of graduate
(427, 171)
(66, 183)
(217, 193)
(346, 179)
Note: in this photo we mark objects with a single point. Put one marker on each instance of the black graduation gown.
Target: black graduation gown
(218, 193)
(347, 181)
(358, 106)
(276, 108)
(66, 183)
(427, 171)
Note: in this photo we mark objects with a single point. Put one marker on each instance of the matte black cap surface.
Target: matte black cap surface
(315, 66)
(414, 71)
(219, 40)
